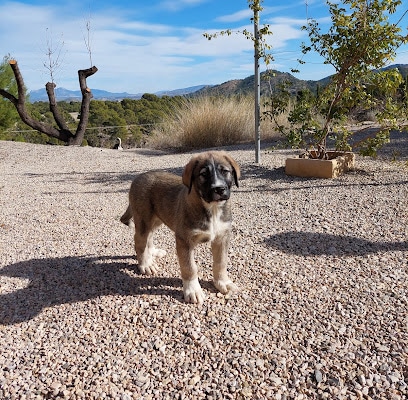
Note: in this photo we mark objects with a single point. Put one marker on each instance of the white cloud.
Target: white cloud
(238, 16)
(282, 33)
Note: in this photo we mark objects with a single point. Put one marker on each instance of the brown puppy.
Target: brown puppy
(196, 207)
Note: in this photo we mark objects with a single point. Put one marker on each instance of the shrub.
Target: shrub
(204, 122)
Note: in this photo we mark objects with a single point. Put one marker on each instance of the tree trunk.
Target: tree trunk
(62, 133)
(86, 100)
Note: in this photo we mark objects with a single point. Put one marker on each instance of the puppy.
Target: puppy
(196, 207)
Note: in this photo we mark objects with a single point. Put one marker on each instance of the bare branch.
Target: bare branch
(49, 87)
(87, 39)
(54, 57)
(86, 100)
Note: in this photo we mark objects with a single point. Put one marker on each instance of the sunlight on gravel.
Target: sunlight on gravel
(322, 311)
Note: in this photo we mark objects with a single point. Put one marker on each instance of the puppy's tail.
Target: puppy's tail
(127, 216)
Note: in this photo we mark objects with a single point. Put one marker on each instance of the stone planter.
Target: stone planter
(338, 163)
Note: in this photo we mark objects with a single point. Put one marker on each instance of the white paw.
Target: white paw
(147, 269)
(158, 252)
(225, 286)
(193, 292)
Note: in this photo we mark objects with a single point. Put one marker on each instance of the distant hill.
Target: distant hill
(233, 87)
(75, 95)
(402, 68)
(181, 92)
(245, 86)
(63, 94)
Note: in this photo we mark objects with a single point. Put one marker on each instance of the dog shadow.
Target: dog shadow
(55, 281)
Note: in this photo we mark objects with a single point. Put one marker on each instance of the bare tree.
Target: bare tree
(62, 133)
(52, 64)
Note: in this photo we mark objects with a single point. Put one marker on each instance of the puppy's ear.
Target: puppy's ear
(188, 173)
(235, 168)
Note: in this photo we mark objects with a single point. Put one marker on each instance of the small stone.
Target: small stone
(361, 378)
(142, 379)
(246, 392)
(55, 385)
(382, 348)
(195, 335)
(318, 376)
(342, 330)
(393, 378)
(194, 380)
(158, 344)
(278, 381)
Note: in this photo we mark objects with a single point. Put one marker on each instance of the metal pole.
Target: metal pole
(257, 90)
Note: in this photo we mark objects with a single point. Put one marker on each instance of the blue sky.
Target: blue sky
(147, 46)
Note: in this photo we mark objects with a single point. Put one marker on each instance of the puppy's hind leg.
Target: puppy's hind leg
(144, 246)
(158, 252)
(144, 252)
(155, 252)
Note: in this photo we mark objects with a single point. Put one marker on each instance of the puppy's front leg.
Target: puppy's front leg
(219, 249)
(191, 287)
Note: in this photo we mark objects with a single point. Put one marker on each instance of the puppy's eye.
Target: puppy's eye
(204, 172)
(225, 172)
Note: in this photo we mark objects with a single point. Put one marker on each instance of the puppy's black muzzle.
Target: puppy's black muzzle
(220, 193)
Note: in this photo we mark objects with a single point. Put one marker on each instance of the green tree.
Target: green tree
(8, 114)
(106, 123)
(360, 41)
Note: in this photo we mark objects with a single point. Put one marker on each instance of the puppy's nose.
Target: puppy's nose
(220, 190)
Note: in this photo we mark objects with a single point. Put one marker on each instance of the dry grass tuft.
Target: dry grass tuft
(207, 122)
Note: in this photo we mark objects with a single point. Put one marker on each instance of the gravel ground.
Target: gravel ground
(322, 311)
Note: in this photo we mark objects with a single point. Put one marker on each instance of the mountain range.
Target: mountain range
(232, 87)
(245, 86)
(75, 95)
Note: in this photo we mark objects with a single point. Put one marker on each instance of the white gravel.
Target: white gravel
(322, 266)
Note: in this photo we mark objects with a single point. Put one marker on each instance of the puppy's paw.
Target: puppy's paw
(193, 292)
(158, 252)
(148, 269)
(225, 286)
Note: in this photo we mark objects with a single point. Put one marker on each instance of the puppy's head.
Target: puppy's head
(211, 175)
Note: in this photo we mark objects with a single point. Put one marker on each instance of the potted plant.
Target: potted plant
(359, 43)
